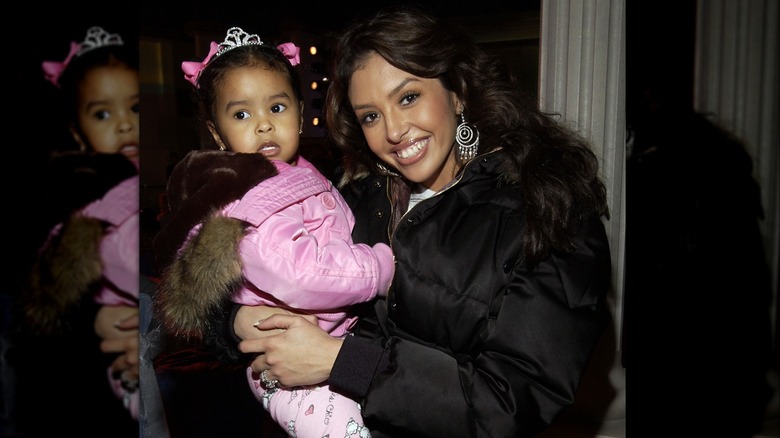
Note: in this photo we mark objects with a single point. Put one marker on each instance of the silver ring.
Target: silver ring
(268, 383)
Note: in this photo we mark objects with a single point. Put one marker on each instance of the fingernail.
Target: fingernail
(257, 323)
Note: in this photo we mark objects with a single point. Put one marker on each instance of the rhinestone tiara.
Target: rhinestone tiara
(97, 37)
(236, 37)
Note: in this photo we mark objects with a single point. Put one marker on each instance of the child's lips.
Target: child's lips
(129, 150)
(270, 149)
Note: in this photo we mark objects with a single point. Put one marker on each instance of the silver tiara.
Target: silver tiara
(236, 37)
(97, 37)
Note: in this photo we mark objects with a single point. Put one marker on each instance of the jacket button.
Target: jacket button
(328, 200)
(378, 213)
(394, 305)
(507, 268)
(378, 184)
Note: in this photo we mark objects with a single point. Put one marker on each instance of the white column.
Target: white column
(582, 78)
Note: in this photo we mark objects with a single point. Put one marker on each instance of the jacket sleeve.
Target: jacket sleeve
(304, 255)
(522, 372)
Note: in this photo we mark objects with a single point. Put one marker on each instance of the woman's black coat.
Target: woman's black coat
(474, 343)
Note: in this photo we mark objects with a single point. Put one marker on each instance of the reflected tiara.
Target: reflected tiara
(97, 37)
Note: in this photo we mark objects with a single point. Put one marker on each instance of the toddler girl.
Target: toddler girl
(256, 223)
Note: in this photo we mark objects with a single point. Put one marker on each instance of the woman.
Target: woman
(493, 211)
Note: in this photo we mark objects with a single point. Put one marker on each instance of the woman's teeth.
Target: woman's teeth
(412, 150)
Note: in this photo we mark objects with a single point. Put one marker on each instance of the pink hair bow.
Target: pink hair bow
(52, 70)
(193, 69)
(291, 52)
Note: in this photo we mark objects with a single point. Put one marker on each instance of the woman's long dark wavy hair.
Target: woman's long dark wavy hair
(555, 169)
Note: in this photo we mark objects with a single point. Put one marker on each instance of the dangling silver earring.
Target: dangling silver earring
(467, 138)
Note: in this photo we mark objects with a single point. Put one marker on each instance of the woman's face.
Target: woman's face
(409, 122)
(256, 112)
(108, 111)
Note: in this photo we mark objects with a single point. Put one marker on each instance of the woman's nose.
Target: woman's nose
(397, 127)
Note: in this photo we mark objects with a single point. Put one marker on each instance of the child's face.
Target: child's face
(257, 112)
(108, 111)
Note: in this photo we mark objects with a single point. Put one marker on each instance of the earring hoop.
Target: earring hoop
(467, 137)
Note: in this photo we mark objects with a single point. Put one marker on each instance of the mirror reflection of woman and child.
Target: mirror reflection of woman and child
(452, 282)
(70, 353)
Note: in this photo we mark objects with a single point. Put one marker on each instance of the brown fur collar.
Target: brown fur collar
(201, 280)
(203, 181)
(197, 283)
(68, 269)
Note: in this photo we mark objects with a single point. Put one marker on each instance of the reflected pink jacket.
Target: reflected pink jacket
(119, 248)
(119, 251)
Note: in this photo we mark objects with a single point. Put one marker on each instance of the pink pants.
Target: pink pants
(310, 411)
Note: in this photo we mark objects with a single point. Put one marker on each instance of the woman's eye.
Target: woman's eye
(409, 98)
(368, 118)
(241, 115)
(278, 108)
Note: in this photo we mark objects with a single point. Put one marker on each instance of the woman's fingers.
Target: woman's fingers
(302, 355)
(115, 321)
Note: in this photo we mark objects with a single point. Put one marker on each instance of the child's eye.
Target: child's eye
(241, 115)
(102, 115)
(136, 108)
(278, 108)
(409, 98)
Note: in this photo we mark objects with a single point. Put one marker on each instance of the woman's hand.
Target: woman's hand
(116, 322)
(303, 354)
(118, 327)
(127, 361)
(247, 317)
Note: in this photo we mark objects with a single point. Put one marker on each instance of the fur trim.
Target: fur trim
(68, 268)
(202, 279)
(203, 181)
